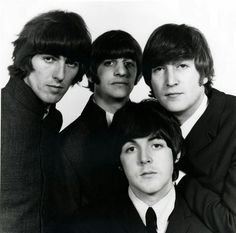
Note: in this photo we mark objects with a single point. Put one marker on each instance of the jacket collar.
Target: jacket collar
(94, 114)
(20, 91)
(178, 220)
(207, 126)
(179, 217)
(131, 220)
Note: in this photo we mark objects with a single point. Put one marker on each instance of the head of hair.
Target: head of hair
(57, 33)
(147, 118)
(173, 42)
(111, 45)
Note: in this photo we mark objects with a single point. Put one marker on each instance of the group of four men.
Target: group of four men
(48, 177)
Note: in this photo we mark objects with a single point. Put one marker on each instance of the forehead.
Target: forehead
(120, 58)
(148, 138)
(180, 60)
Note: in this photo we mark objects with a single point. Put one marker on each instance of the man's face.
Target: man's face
(117, 78)
(148, 166)
(177, 86)
(51, 77)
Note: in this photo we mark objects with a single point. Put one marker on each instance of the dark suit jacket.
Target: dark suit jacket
(27, 159)
(120, 216)
(211, 160)
(85, 145)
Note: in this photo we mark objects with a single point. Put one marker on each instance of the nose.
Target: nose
(120, 69)
(60, 68)
(171, 79)
(145, 157)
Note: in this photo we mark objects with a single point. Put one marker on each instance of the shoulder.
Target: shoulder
(78, 127)
(227, 101)
(183, 218)
(98, 218)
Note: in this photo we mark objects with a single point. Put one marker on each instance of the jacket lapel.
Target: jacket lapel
(130, 219)
(179, 218)
(206, 127)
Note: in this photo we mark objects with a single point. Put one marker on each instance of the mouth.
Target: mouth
(173, 94)
(55, 86)
(55, 89)
(148, 174)
(120, 83)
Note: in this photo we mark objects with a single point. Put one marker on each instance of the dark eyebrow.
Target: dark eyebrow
(129, 140)
(153, 136)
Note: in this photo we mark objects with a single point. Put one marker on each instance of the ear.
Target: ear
(178, 157)
(120, 168)
(90, 79)
(205, 80)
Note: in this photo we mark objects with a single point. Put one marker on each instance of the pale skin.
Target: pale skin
(51, 77)
(148, 165)
(178, 88)
(117, 78)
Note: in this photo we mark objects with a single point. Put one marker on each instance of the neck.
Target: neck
(183, 116)
(152, 198)
(110, 105)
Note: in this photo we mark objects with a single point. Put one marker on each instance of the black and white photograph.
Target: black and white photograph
(118, 116)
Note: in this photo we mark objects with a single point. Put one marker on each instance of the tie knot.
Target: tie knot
(151, 220)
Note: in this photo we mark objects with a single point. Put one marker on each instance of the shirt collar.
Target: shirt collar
(163, 208)
(188, 124)
(109, 115)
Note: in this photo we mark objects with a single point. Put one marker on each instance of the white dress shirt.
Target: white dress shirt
(163, 208)
(188, 124)
(109, 117)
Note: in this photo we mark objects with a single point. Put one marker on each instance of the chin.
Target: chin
(51, 100)
(173, 107)
(120, 96)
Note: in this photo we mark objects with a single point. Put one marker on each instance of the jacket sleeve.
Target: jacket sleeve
(217, 211)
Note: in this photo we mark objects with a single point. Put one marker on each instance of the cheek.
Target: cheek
(128, 166)
(133, 74)
(70, 75)
(169, 168)
(103, 71)
(156, 83)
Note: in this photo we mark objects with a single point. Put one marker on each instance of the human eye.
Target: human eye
(108, 62)
(48, 58)
(128, 148)
(130, 63)
(72, 63)
(157, 144)
(158, 69)
(182, 65)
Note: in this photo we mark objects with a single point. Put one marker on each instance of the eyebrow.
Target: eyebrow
(152, 137)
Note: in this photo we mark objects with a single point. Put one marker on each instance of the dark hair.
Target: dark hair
(111, 45)
(56, 33)
(137, 120)
(172, 42)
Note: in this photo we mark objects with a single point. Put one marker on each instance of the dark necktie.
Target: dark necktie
(151, 220)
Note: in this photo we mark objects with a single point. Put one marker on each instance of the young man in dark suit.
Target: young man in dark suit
(115, 68)
(49, 56)
(178, 67)
(146, 143)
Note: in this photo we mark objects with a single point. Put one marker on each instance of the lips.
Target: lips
(148, 173)
(55, 86)
(55, 89)
(173, 94)
(120, 83)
